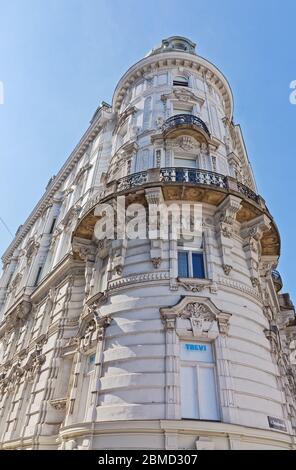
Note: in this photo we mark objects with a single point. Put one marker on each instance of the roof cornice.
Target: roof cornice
(55, 185)
(168, 59)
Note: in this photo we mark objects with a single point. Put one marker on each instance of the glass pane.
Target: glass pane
(196, 352)
(189, 404)
(208, 408)
(183, 264)
(198, 265)
(91, 361)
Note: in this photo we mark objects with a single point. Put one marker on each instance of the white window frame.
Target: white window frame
(197, 366)
(190, 251)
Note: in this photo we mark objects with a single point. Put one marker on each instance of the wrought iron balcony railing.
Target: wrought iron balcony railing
(192, 176)
(184, 176)
(130, 181)
(247, 192)
(173, 175)
(183, 120)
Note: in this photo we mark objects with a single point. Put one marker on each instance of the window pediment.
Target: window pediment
(198, 315)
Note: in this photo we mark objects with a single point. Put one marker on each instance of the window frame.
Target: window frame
(189, 252)
(197, 365)
(182, 83)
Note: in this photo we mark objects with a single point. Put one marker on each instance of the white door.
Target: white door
(198, 382)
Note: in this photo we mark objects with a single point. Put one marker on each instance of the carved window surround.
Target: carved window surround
(90, 339)
(195, 318)
(252, 233)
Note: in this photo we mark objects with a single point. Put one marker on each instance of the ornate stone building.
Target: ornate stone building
(150, 343)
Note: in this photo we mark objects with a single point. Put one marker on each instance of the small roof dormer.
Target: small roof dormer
(174, 44)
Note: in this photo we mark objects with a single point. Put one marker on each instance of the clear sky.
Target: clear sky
(60, 58)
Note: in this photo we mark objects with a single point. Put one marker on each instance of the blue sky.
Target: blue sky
(60, 58)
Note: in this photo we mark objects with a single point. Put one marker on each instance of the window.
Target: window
(191, 264)
(91, 362)
(147, 112)
(214, 163)
(183, 162)
(180, 80)
(103, 274)
(38, 276)
(190, 254)
(179, 108)
(52, 225)
(180, 45)
(142, 160)
(198, 382)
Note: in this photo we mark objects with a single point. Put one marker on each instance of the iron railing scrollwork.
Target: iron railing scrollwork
(193, 176)
(184, 176)
(246, 191)
(130, 181)
(183, 120)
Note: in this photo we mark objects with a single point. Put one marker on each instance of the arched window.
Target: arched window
(181, 80)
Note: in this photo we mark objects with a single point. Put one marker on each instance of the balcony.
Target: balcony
(181, 184)
(277, 280)
(184, 120)
(192, 176)
(186, 176)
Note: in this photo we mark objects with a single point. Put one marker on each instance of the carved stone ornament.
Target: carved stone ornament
(92, 327)
(156, 262)
(201, 313)
(31, 249)
(58, 403)
(201, 318)
(188, 144)
(194, 285)
(272, 335)
(255, 281)
(227, 269)
(17, 315)
(27, 365)
(226, 215)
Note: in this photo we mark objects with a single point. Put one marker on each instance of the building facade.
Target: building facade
(150, 342)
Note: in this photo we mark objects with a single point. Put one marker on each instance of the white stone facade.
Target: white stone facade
(91, 332)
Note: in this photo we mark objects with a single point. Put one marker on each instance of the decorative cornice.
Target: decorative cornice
(163, 60)
(233, 284)
(74, 157)
(138, 278)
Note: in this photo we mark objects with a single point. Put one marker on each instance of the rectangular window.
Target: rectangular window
(185, 162)
(198, 265)
(198, 382)
(183, 270)
(191, 264)
(52, 225)
(182, 109)
(38, 276)
(91, 362)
